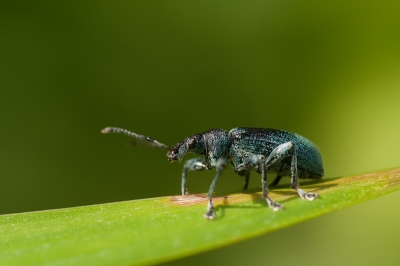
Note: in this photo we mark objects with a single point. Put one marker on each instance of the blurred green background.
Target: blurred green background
(169, 69)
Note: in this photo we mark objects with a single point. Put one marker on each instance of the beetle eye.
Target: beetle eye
(191, 143)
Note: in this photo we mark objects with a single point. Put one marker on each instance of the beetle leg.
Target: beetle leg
(246, 175)
(251, 162)
(307, 195)
(277, 180)
(196, 164)
(295, 180)
(246, 180)
(220, 166)
(275, 206)
(281, 152)
(259, 162)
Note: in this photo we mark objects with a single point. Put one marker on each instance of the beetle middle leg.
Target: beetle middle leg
(258, 162)
(245, 173)
(280, 153)
(196, 164)
(275, 206)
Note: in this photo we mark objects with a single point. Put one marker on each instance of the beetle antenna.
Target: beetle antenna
(147, 140)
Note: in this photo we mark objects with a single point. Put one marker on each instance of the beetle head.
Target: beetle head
(193, 143)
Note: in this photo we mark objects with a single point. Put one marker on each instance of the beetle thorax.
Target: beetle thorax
(217, 145)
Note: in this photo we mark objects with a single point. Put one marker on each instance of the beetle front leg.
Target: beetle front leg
(196, 164)
(220, 166)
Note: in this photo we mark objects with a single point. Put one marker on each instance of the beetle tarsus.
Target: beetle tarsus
(210, 215)
(275, 206)
(307, 195)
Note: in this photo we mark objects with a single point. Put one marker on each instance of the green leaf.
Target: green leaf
(154, 230)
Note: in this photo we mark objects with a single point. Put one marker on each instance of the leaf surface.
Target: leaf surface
(153, 230)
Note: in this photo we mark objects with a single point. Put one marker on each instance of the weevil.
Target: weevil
(259, 149)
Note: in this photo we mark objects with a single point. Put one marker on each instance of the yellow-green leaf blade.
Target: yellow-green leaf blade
(159, 229)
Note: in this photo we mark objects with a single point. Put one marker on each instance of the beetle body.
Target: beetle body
(260, 149)
(248, 141)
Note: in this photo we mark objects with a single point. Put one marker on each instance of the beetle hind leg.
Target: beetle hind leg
(281, 152)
